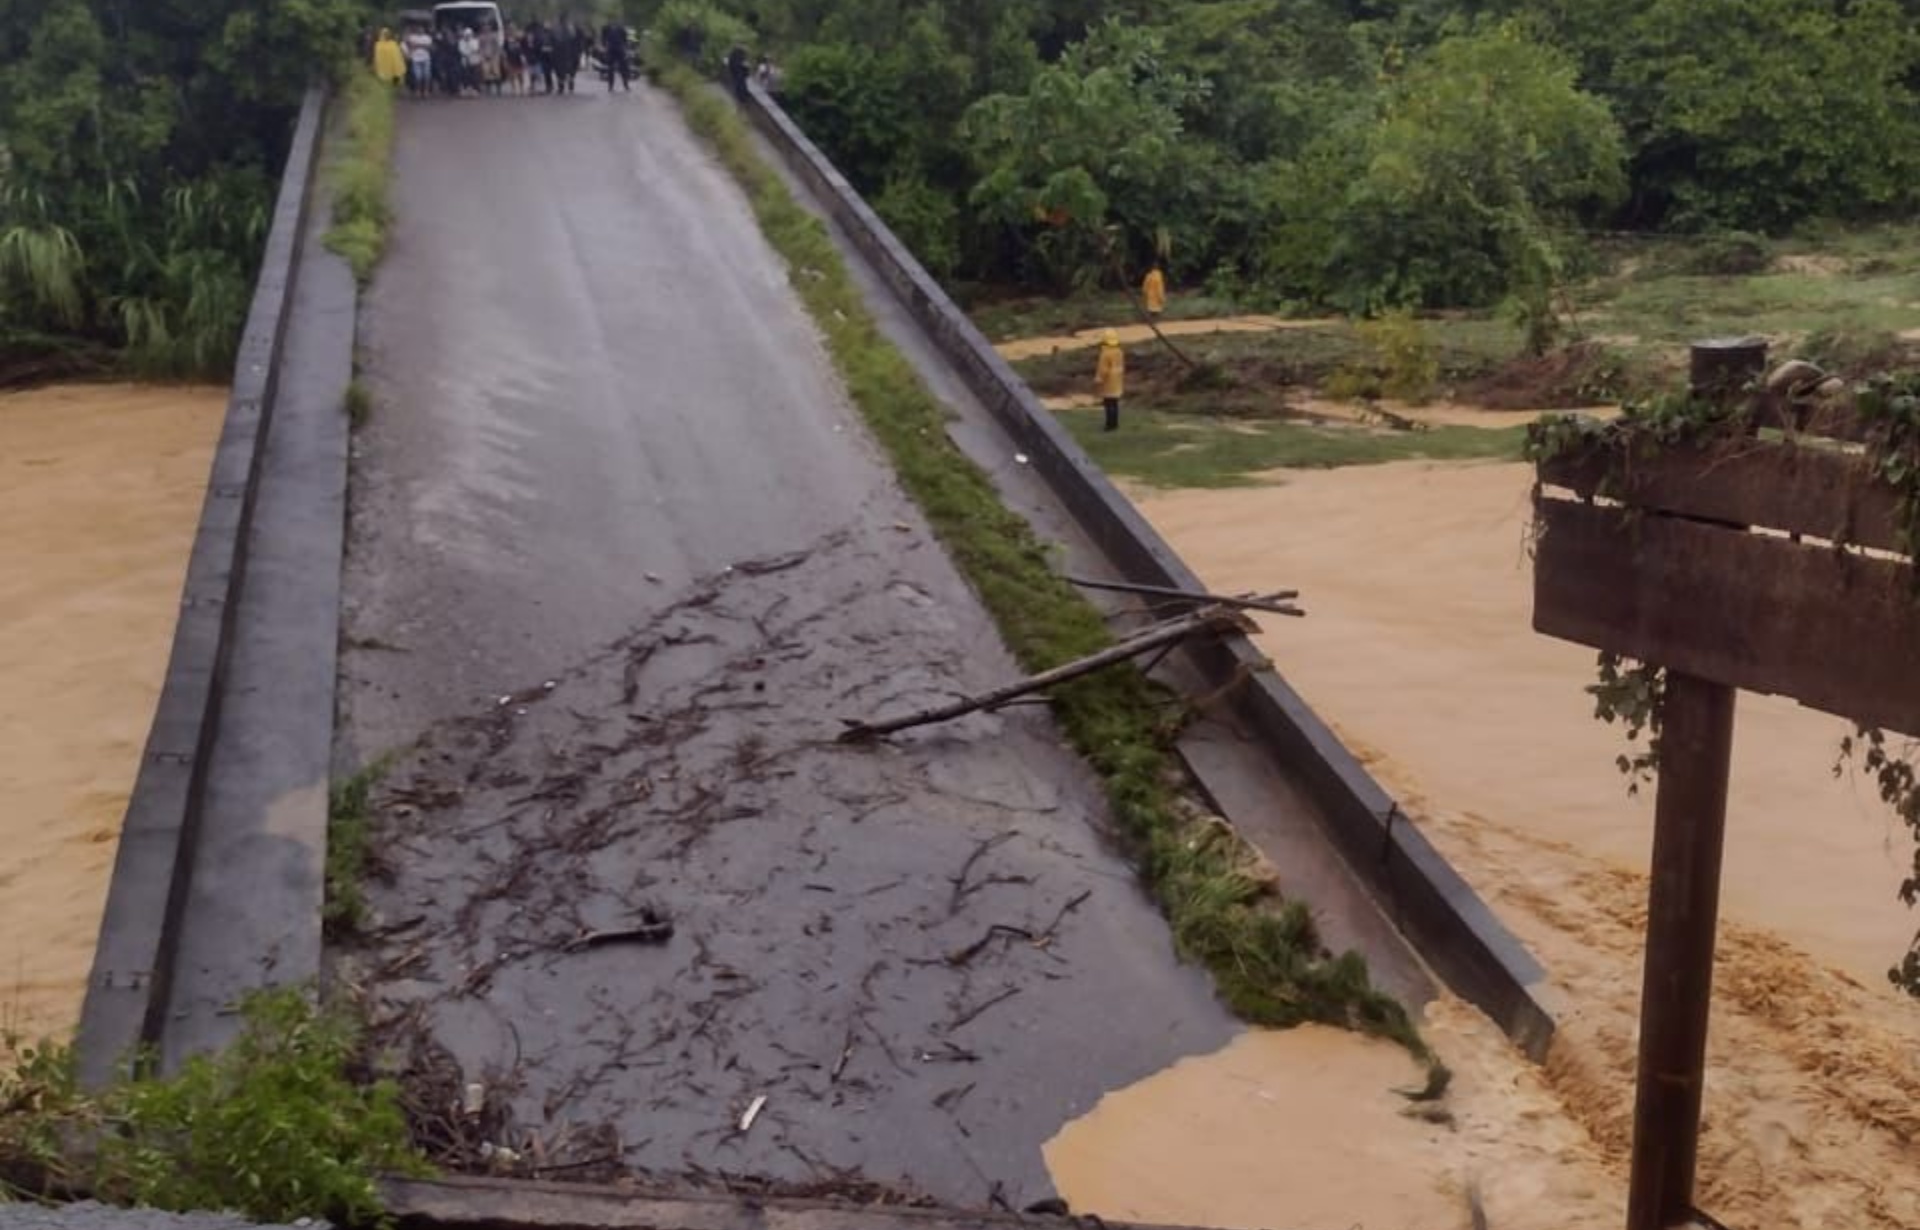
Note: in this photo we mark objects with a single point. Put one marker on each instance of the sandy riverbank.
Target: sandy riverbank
(100, 491)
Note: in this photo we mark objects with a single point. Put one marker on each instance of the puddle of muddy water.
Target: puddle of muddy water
(1296, 1128)
(100, 492)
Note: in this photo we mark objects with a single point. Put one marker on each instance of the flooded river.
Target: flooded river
(1418, 647)
(100, 490)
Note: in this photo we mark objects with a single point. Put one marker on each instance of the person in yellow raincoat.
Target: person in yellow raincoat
(1110, 373)
(389, 62)
(1153, 291)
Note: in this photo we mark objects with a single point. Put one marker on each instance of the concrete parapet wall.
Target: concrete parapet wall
(127, 991)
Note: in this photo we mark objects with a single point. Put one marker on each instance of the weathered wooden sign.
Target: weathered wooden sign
(1767, 554)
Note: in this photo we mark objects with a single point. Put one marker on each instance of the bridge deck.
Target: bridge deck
(596, 394)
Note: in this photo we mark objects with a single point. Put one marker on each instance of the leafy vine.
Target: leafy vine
(1632, 693)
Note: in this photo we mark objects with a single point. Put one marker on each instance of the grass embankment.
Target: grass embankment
(274, 1127)
(1179, 450)
(1265, 955)
(1244, 412)
(358, 174)
(1848, 300)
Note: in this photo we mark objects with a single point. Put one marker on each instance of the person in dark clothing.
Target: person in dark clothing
(446, 64)
(737, 71)
(540, 54)
(617, 54)
(569, 45)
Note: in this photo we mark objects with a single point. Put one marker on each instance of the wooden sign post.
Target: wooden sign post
(1697, 557)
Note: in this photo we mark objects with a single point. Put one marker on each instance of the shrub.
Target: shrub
(700, 33)
(925, 219)
(274, 1127)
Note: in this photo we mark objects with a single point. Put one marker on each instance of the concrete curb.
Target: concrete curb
(460, 1203)
(1447, 922)
(127, 990)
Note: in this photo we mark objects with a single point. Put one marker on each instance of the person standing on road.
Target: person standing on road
(618, 55)
(469, 60)
(492, 68)
(419, 48)
(513, 59)
(567, 50)
(737, 71)
(1153, 291)
(389, 62)
(1110, 375)
(446, 64)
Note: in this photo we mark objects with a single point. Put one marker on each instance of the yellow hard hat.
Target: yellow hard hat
(1110, 338)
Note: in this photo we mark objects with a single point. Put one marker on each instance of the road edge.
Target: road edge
(130, 981)
(1426, 898)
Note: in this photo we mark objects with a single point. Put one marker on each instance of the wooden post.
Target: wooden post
(1721, 368)
(1689, 822)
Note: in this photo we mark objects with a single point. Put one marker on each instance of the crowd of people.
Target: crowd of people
(541, 58)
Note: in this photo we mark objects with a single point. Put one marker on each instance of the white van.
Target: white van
(459, 14)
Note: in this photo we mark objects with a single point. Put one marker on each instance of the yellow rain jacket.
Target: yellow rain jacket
(1154, 291)
(1111, 372)
(389, 62)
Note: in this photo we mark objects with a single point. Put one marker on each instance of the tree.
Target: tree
(140, 142)
(1755, 114)
(1476, 156)
(1093, 141)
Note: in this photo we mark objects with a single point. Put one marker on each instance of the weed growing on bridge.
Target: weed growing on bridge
(349, 847)
(274, 1127)
(358, 175)
(1266, 956)
(358, 403)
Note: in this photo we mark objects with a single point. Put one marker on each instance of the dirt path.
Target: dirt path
(1418, 647)
(1029, 347)
(622, 560)
(100, 491)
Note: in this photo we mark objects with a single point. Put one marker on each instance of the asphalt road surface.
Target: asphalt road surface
(621, 560)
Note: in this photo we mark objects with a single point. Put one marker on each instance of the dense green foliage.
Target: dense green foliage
(275, 1126)
(139, 146)
(1357, 154)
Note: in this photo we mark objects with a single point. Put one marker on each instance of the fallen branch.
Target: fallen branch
(658, 931)
(974, 1012)
(1212, 618)
(1046, 937)
(1274, 603)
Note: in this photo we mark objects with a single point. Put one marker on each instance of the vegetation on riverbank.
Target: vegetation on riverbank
(1175, 450)
(1265, 953)
(139, 149)
(277, 1126)
(1314, 154)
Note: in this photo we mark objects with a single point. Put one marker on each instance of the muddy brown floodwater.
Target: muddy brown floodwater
(100, 490)
(1418, 646)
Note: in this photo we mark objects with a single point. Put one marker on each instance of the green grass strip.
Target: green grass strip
(1265, 954)
(358, 174)
(1174, 450)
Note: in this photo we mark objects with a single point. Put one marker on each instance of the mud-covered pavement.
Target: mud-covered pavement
(622, 562)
